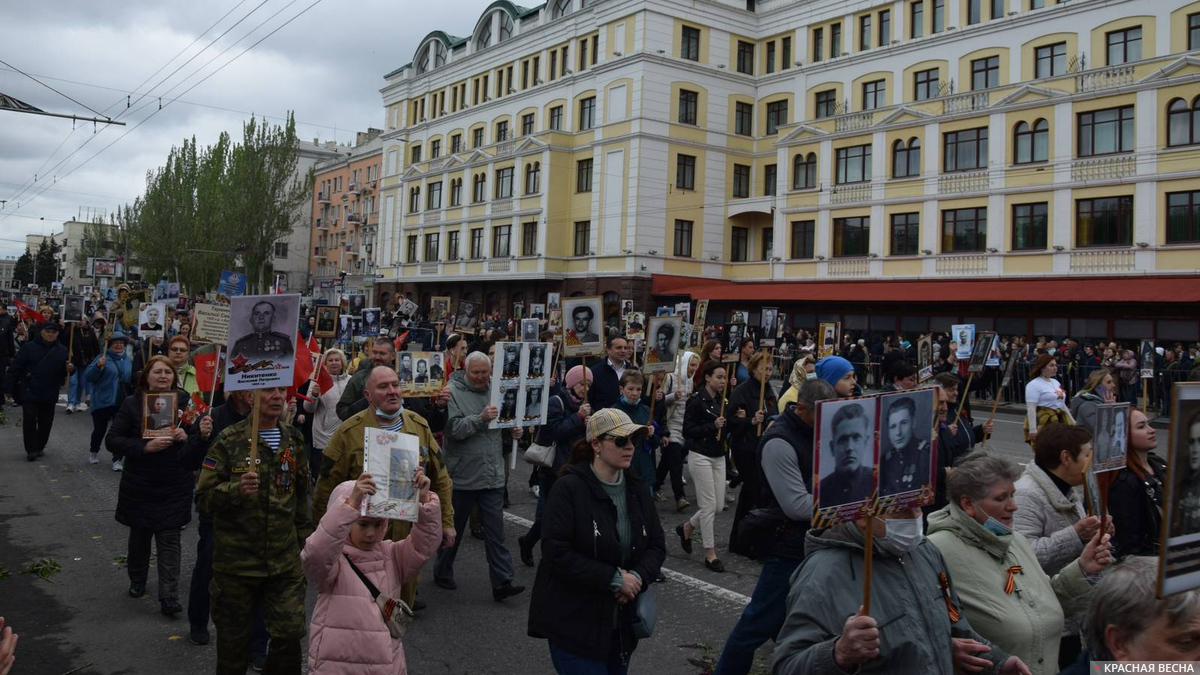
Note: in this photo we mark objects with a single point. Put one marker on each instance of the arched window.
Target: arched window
(1031, 144)
(484, 39)
(804, 171)
(479, 188)
(906, 158)
(506, 27)
(533, 178)
(561, 8)
(1183, 122)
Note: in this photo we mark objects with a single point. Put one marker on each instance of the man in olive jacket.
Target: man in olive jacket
(260, 518)
(343, 457)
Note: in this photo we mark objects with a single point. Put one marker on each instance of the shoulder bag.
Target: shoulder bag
(395, 612)
(539, 454)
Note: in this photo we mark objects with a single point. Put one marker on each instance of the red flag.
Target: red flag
(24, 311)
(206, 371)
(303, 369)
(313, 345)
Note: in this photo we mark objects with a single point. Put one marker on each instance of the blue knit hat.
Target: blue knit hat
(833, 368)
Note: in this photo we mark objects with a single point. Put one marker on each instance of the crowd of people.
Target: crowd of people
(1004, 570)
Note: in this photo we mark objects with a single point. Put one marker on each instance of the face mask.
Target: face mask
(996, 527)
(810, 376)
(1051, 351)
(627, 401)
(384, 416)
(903, 535)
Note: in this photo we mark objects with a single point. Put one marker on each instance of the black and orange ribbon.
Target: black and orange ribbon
(1011, 584)
(944, 583)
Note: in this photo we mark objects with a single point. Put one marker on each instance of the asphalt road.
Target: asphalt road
(81, 621)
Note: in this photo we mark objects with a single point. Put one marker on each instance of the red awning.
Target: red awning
(1173, 289)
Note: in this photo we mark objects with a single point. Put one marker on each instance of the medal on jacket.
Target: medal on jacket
(287, 466)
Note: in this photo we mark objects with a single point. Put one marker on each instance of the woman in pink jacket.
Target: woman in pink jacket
(348, 635)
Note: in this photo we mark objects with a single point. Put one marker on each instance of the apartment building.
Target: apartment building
(345, 220)
(1021, 164)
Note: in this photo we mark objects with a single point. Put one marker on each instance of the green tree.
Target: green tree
(45, 263)
(24, 270)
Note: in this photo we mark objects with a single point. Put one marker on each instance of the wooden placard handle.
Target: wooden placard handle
(254, 430)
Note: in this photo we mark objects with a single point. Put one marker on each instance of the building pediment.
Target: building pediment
(1028, 94)
(803, 132)
(905, 114)
(1185, 66)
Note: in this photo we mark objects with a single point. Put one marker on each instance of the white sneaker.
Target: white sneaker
(535, 490)
(70, 409)
(93, 458)
(81, 407)
(118, 465)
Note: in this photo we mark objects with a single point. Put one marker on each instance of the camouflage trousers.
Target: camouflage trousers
(233, 600)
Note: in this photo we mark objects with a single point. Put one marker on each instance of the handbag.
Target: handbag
(759, 530)
(539, 454)
(395, 612)
(645, 610)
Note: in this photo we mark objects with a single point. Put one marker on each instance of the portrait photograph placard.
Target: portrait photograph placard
(151, 318)
(467, 320)
(662, 344)
(635, 326)
(767, 323)
(537, 310)
(963, 335)
(830, 335)
(370, 322)
(981, 350)
(392, 459)
(530, 328)
(583, 326)
(356, 303)
(212, 323)
(262, 330)
(327, 321)
(73, 309)
(1147, 359)
(907, 450)
(345, 329)
(421, 374)
(734, 332)
(552, 302)
(1110, 438)
(925, 357)
(845, 459)
(439, 308)
(159, 415)
(737, 316)
(1179, 557)
(520, 387)
(701, 313)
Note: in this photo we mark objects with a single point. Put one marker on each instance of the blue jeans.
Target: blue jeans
(762, 618)
(491, 511)
(566, 663)
(77, 388)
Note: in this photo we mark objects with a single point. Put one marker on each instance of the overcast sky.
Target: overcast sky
(327, 66)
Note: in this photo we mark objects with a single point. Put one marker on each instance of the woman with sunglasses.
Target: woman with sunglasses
(602, 545)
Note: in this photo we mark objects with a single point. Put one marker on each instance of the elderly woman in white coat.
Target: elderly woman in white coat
(322, 405)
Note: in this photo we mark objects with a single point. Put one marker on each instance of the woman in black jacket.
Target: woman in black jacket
(704, 420)
(602, 546)
(1135, 497)
(743, 446)
(155, 497)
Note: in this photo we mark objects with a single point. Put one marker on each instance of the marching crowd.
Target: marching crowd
(1004, 571)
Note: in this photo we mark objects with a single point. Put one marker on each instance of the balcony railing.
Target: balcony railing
(1103, 168)
(1102, 260)
(322, 198)
(502, 206)
(499, 265)
(428, 268)
(969, 181)
(976, 100)
(850, 267)
(847, 194)
(506, 148)
(353, 218)
(319, 252)
(433, 216)
(854, 122)
(1106, 78)
(322, 224)
(961, 264)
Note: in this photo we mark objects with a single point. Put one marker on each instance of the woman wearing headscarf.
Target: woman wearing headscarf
(567, 414)
(1045, 398)
(676, 390)
(803, 370)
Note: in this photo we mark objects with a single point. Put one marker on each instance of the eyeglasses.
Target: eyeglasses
(620, 441)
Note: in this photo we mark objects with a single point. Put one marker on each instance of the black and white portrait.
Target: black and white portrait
(981, 351)
(468, 316)
(537, 311)
(262, 331)
(529, 330)
(734, 333)
(1181, 563)
(847, 451)
(770, 319)
(533, 402)
(1147, 359)
(404, 366)
(327, 321)
(925, 351)
(1110, 437)
(356, 304)
(582, 330)
(73, 309)
(508, 405)
(512, 360)
(537, 362)
(663, 344)
(158, 415)
(370, 322)
(345, 331)
(626, 308)
(905, 450)
(421, 372)
(552, 302)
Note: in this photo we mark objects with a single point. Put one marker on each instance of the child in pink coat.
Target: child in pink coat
(348, 635)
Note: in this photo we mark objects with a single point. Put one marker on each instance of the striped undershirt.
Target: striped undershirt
(395, 426)
(272, 437)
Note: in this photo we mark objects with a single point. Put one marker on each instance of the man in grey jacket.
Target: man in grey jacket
(474, 456)
(915, 625)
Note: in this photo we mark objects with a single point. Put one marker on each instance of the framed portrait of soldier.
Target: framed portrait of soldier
(980, 351)
(530, 329)
(1179, 558)
(738, 316)
(151, 318)
(370, 322)
(509, 354)
(830, 335)
(355, 304)
(701, 313)
(662, 344)
(734, 332)
(635, 326)
(925, 357)
(963, 335)
(73, 309)
(407, 307)
(262, 330)
(467, 320)
(1110, 437)
(421, 373)
(552, 302)
(345, 330)
(844, 459)
(537, 310)
(626, 307)
(518, 310)
(907, 449)
(537, 362)
(1147, 359)
(769, 319)
(439, 308)
(583, 333)
(159, 415)
(327, 321)
(404, 367)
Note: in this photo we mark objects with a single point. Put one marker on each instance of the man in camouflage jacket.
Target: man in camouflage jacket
(343, 458)
(260, 513)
